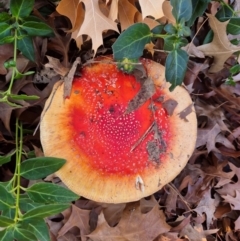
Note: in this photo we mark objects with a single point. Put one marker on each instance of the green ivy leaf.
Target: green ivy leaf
(182, 9)
(6, 234)
(176, 63)
(235, 69)
(25, 45)
(50, 193)
(6, 200)
(5, 222)
(199, 7)
(21, 8)
(21, 234)
(131, 42)
(37, 29)
(40, 167)
(233, 26)
(45, 211)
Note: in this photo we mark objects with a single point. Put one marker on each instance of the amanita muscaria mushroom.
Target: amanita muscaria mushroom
(115, 155)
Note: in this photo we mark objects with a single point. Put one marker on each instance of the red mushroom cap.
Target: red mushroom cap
(115, 155)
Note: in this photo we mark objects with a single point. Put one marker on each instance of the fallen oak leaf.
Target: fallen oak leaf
(220, 48)
(56, 65)
(133, 226)
(78, 218)
(151, 8)
(233, 201)
(94, 23)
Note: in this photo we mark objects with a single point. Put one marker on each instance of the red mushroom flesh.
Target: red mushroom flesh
(115, 155)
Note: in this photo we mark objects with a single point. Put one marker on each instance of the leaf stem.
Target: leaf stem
(17, 177)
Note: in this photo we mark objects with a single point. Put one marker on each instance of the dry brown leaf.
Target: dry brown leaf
(152, 8)
(231, 188)
(133, 226)
(234, 201)
(72, 9)
(95, 22)
(113, 13)
(237, 224)
(220, 48)
(78, 218)
(126, 13)
(208, 205)
(167, 11)
(191, 49)
(56, 65)
(6, 51)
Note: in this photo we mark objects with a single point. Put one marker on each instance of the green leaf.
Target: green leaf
(21, 234)
(224, 13)
(45, 211)
(5, 159)
(24, 97)
(5, 30)
(37, 29)
(199, 7)
(21, 8)
(176, 66)
(25, 45)
(6, 200)
(173, 42)
(7, 39)
(131, 42)
(38, 227)
(8, 212)
(50, 193)
(5, 222)
(21, 75)
(235, 69)
(209, 37)
(233, 26)
(169, 28)
(26, 204)
(4, 17)
(6, 234)
(40, 167)
(182, 9)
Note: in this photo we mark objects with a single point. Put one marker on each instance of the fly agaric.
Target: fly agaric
(116, 153)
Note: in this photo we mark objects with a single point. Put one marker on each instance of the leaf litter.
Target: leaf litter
(202, 202)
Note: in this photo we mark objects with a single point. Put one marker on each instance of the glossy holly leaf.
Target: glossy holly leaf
(37, 28)
(50, 193)
(21, 234)
(176, 62)
(21, 8)
(182, 9)
(25, 45)
(40, 167)
(45, 211)
(131, 42)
